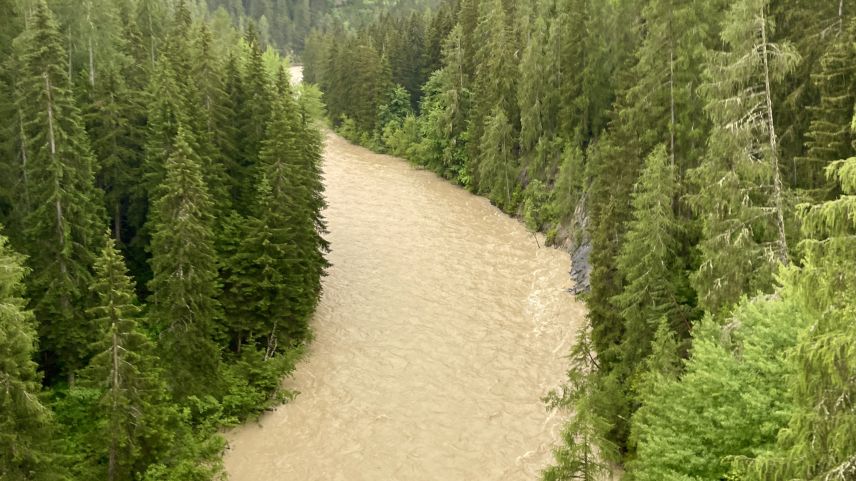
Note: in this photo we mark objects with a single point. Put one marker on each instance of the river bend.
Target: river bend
(441, 326)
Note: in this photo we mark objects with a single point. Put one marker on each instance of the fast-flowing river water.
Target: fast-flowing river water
(441, 326)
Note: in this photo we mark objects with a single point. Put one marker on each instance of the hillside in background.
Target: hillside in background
(285, 24)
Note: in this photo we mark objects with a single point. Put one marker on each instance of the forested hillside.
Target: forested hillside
(286, 23)
(161, 246)
(705, 149)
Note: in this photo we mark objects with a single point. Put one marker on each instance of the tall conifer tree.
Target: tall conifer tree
(64, 225)
(24, 421)
(742, 197)
(184, 288)
(133, 406)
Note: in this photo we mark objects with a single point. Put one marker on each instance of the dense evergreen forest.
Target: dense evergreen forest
(161, 248)
(705, 150)
(286, 23)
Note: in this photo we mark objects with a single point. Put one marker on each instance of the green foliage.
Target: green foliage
(586, 452)
(497, 165)
(818, 442)
(729, 402)
(656, 286)
(661, 135)
(24, 420)
(743, 219)
(183, 304)
(173, 115)
(63, 212)
(254, 382)
(537, 202)
(828, 135)
(570, 184)
(311, 102)
(130, 408)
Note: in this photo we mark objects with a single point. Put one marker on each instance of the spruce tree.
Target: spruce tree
(113, 122)
(133, 407)
(445, 111)
(537, 112)
(259, 300)
(828, 136)
(585, 453)
(230, 140)
(608, 209)
(566, 66)
(497, 165)
(12, 203)
(495, 79)
(217, 132)
(656, 286)
(183, 304)
(290, 160)
(166, 111)
(65, 220)
(256, 107)
(24, 420)
(741, 198)
(152, 19)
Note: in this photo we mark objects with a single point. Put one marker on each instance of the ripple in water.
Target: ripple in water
(441, 327)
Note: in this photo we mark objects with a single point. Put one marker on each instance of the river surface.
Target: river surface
(441, 326)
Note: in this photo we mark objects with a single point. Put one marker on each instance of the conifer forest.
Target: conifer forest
(172, 201)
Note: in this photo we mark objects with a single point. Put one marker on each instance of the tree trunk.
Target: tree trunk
(91, 64)
(24, 174)
(114, 394)
(774, 149)
(672, 89)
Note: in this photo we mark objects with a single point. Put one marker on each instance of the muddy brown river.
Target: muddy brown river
(441, 326)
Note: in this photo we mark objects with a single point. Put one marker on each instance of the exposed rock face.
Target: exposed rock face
(581, 250)
(580, 267)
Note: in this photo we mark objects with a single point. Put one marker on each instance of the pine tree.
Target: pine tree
(94, 35)
(64, 223)
(497, 165)
(216, 114)
(183, 304)
(257, 102)
(566, 65)
(370, 79)
(24, 421)
(670, 61)
(607, 196)
(828, 135)
(534, 95)
(230, 141)
(468, 20)
(152, 19)
(585, 452)
(290, 160)
(112, 116)
(494, 81)
(439, 27)
(11, 202)
(742, 198)
(133, 407)
(813, 30)
(166, 111)
(656, 286)
(259, 299)
(446, 109)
